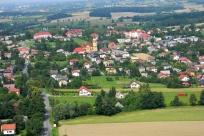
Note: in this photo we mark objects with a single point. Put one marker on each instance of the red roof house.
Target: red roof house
(42, 35)
(83, 91)
(8, 129)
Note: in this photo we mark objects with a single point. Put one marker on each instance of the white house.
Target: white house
(83, 91)
(87, 65)
(128, 40)
(8, 129)
(120, 95)
(75, 72)
(184, 78)
(134, 84)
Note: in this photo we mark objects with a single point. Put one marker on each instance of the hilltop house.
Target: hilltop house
(83, 91)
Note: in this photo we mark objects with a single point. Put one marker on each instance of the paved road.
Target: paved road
(47, 127)
(25, 66)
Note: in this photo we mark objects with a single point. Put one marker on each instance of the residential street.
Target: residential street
(47, 127)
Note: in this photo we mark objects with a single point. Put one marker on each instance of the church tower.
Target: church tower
(95, 48)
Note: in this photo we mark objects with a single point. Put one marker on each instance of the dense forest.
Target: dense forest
(171, 19)
(100, 13)
(105, 12)
(58, 16)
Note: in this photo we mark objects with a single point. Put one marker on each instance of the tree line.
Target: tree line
(170, 19)
(58, 16)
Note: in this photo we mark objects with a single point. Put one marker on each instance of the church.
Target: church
(91, 47)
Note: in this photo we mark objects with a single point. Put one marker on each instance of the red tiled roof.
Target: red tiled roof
(75, 31)
(86, 63)
(14, 90)
(8, 127)
(23, 49)
(83, 87)
(144, 35)
(94, 35)
(42, 33)
(182, 76)
(79, 49)
(9, 86)
(10, 77)
(183, 59)
(73, 60)
(75, 71)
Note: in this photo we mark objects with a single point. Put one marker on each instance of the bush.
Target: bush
(109, 79)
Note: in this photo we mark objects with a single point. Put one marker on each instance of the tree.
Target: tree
(99, 105)
(76, 82)
(176, 102)
(192, 99)
(102, 93)
(19, 120)
(201, 102)
(112, 92)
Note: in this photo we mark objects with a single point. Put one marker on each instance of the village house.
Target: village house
(83, 91)
(162, 54)
(73, 61)
(120, 95)
(23, 50)
(87, 65)
(151, 68)
(75, 73)
(105, 50)
(74, 33)
(118, 104)
(8, 129)
(145, 37)
(144, 74)
(134, 84)
(42, 35)
(190, 71)
(184, 78)
(110, 70)
(162, 75)
(166, 66)
(150, 58)
(126, 40)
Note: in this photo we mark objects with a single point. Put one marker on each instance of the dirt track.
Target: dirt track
(184, 128)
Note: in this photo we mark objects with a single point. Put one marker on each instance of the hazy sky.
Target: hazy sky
(28, 1)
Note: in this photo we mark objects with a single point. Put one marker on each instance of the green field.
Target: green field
(169, 96)
(79, 41)
(79, 100)
(186, 113)
(102, 82)
(28, 18)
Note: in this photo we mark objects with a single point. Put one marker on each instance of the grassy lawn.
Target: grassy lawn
(51, 43)
(27, 18)
(28, 44)
(79, 41)
(80, 100)
(186, 113)
(202, 32)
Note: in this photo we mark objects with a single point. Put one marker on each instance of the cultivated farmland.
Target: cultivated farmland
(132, 129)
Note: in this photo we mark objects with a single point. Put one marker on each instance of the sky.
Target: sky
(28, 1)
